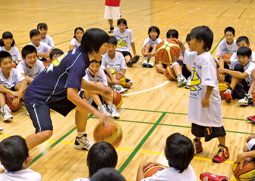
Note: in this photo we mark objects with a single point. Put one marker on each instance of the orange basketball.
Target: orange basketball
(253, 97)
(117, 99)
(247, 172)
(169, 73)
(111, 133)
(222, 88)
(227, 56)
(168, 51)
(120, 78)
(151, 171)
(9, 99)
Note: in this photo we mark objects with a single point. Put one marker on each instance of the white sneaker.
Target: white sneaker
(102, 108)
(6, 112)
(119, 88)
(114, 111)
(151, 62)
(181, 80)
(83, 143)
(245, 101)
(1, 129)
(145, 61)
(188, 84)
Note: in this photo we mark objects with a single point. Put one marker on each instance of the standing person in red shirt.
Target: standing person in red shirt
(112, 12)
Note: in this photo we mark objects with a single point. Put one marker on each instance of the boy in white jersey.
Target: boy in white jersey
(204, 103)
(113, 62)
(226, 47)
(242, 74)
(43, 29)
(30, 67)
(14, 156)
(95, 74)
(11, 82)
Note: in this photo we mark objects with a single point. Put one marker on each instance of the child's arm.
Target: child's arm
(23, 87)
(182, 47)
(144, 167)
(241, 156)
(123, 71)
(8, 91)
(133, 48)
(71, 47)
(107, 71)
(205, 100)
(237, 74)
(28, 79)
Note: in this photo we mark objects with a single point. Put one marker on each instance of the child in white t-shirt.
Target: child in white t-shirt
(204, 103)
(43, 49)
(125, 41)
(11, 82)
(7, 43)
(30, 67)
(95, 74)
(76, 41)
(43, 29)
(113, 62)
(14, 156)
(150, 46)
(179, 152)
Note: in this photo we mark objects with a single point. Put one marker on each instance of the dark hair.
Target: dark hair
(154, 28)
(13, 153)
(93, 39)
(42, 26)
(244, 51)
(122, 20)
(7, 35)
(28, 49)
(188, 38)
(4, 54)
(203, 33)
(172, 33)
(243, 38)
(76, 29)
(107, 174)
(101, 155)
(34, 32)
(229, 29)
(112, 40)
(179, 151)
(55, 51)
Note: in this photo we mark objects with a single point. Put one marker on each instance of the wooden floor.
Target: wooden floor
(153, 108)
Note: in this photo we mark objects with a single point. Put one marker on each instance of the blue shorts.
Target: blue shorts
(128, 80)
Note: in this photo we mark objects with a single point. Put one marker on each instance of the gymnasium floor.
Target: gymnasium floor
(153, 108)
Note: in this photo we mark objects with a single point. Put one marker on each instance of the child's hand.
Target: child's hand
(205, 102)
(122, 73)
(16, 94)
(115, 81)
(221, 70)
(221, 77)
(179, 42)
(249, 138)
(15, 101)
(148, 165)
(240, 159)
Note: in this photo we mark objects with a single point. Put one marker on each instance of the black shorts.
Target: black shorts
(207, 132)
(39, 113)
(126, 53)
(185, 72)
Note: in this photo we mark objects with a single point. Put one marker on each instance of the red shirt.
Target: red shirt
(112, 2)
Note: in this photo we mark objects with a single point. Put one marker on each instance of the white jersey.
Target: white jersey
(203, 75)
(114, 65)
(48, 40)
(248, 69)
(82, 179)
(31, 72)
(43, 47)
(22, 175)
(75, 42)
(99, 76)
(124, 39)
(225, 48)
(14, 78)
(234, 60)
(151, 42)
(171, 174)
(14, 53)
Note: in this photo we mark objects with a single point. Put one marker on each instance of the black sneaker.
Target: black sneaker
(132, 61)
(111, 30)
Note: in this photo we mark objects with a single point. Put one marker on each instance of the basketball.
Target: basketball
(168, 51)
(253, 97)
(169, 73)
(222, 88)
(151, 171)
(117, 99)
(247, 172)
(120, 78)
(111, 133)
(9, 99)
(227, 56)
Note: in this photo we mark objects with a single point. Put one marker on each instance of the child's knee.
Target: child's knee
(45, 135)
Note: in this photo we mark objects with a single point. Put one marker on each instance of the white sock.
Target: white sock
(80, 134)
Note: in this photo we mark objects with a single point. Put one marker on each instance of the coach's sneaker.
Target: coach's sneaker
(247, 100)
(188, 84)
(207, 176)
(111, 30)
(222, 154)
(181, 80)
(102, 108)
(151, 62)
(83, 143)
(145, 61)
(197, 146)
(119, 88)
(228, 95)
(6, 112)
(113, 110)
